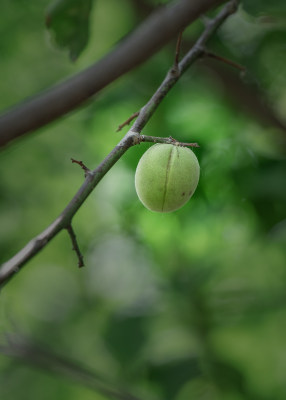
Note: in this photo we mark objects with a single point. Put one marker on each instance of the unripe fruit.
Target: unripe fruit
(166, 177)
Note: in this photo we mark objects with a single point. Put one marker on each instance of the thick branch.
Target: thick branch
(133, 137)
(151, 35)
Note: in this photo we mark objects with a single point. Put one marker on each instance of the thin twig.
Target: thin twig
(75, 245)
(178, 49)
(127, 122)
(82, 165)
(169, 140)
(187, 144)
(224, 60)
(8, 269)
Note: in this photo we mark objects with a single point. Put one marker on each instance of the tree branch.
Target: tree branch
(175, 73)
(26, 351)
(12, 266)
(133, 137)
(250, 97)
(150, 36)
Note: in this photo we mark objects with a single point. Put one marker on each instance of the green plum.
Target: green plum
(166, 177)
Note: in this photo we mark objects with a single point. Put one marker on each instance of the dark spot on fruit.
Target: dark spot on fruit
(183, 194)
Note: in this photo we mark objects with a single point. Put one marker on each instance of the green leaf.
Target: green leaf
(68, 22)
(265, 7)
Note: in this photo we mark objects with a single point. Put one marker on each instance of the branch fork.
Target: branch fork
(133, 137)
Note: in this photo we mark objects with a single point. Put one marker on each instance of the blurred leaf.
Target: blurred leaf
(260, 7)
(125, 337)
(173, 375)
(68, 22)
(34, 354)
(265, 187)
(227, 376)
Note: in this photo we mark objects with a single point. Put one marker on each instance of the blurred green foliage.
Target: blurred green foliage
(68, 21)
(187, 305)
(264, 7)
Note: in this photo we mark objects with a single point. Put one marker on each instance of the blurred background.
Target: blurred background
(186, 305)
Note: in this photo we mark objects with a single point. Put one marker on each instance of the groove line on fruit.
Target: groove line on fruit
(167, 177)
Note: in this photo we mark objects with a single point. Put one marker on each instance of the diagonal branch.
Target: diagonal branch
(174, 74)
(24, 350)
(151, 35)
(249, 97)
(133, 137)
